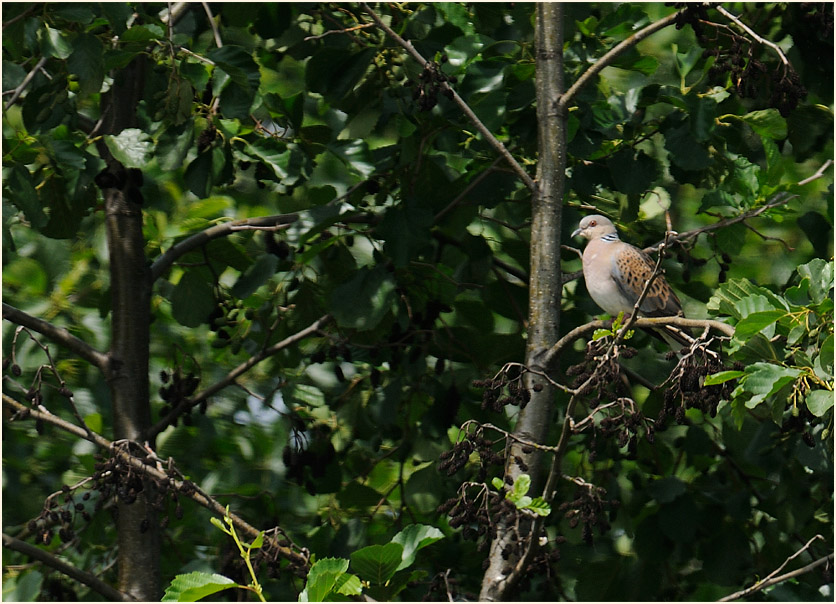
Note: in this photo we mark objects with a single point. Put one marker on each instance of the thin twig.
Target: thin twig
(58, 335)
(164, 262)
(138, 464)
(719, 8)
(771, 579)
(338, 31)
(22, 86)
(610, 56)
(230, 378)
(579, 331)
(489, 137)
(484, 174)
(218, 42)
(92, 581)
(23, 15)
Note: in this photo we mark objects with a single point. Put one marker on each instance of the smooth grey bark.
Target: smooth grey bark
(130, 285)
(502, 574)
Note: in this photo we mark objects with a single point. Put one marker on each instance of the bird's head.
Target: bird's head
(593, 227)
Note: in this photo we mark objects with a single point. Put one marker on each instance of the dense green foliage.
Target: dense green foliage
(414, 239)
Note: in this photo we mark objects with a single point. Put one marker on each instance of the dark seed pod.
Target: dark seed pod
(16, 371)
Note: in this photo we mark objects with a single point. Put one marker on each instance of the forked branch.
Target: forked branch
(151, 471)
(58, 335)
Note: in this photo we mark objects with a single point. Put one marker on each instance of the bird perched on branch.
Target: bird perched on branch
(616, 273)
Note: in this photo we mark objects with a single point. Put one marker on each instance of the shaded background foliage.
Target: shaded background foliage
(414, 238)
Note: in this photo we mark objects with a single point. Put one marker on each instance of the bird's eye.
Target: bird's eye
(593, 223)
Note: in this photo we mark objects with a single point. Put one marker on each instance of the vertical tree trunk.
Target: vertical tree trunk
(544, 287)
(130, 285)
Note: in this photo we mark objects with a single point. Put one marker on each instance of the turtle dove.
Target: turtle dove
(616, 273)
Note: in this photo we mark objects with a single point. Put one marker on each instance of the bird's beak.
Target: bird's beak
(575, 233)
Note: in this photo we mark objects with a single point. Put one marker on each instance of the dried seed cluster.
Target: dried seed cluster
(177, 388)
(456, 458)
(597, 376)
(444, 587)
(62, 515)
(734, 54)
(687, 390)
(430, 83)
(501, 391)
(589, 508)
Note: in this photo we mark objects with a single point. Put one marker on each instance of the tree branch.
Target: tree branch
(151, 471)
(235, 374)
(164, 262)
(609, 57)
(483, 130)
(92, 581)
(576, 333)
(22, 86)
(771, 579)
(719, 8)
(58, 335)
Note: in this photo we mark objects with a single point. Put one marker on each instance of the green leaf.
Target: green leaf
(256, 276)
(194, 586)
(539, 506)
(767, 123)
(498, 483)
(722, 377)
(377, 563)
(87, 62)
(632, 172)
(238, 64)
(192, 300)
(413, 538)
(334, 72)
(726, 297)
(348, 584)
(132, 147)
(322, 578)
(667, 489)
(23, 195)
(457, 14)
(820, 274)
(258, 541)
(765, 379)
(521, 485)
(362, 301)
(217, 522)
(819, 401)
(754, 322)
(684, 149)
(55, 44)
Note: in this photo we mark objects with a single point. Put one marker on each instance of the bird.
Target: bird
(616, 272)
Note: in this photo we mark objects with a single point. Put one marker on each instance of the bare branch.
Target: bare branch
(57, 334)
(138, 464)
(817, 174)
(22, 86)
(164, 262)
(771, 579)
(235, 374)
(338, 31)
(92, 581)
(719, 8)
(23, 15)
(174, 12)
(484, 174)
(610, 56)
(579, 331)
(483, 130)
(218, 42)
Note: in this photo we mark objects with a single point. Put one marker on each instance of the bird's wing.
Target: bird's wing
(631, 269)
